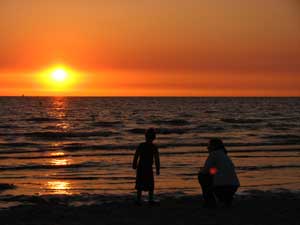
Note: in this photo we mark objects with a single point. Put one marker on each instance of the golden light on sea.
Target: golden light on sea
(57, 154)
(59, 187)
(60, 161)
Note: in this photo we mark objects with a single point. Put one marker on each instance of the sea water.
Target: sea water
(59, 145)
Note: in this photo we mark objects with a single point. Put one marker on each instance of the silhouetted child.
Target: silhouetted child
(143, 163)
(218, 178)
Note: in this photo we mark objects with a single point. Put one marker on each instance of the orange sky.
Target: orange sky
(141, 47)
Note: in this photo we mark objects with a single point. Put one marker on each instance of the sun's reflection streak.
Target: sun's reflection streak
(59, 103)
(59, 187)
(58, 111)
(58, 158)
(57, 154)
(61, 161)
(63, 125)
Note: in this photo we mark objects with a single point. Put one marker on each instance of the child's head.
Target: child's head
(215, 144)
(150, 135)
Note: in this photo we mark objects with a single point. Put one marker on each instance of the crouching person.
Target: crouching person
(218, 178)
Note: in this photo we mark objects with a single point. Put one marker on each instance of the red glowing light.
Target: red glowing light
(213, 171)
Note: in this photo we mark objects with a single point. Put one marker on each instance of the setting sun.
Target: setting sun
(58, 79)
(59, 75)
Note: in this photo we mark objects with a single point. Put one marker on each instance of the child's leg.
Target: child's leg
(151, 196)
(139, 195)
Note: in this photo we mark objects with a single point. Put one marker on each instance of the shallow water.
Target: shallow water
(86, 145)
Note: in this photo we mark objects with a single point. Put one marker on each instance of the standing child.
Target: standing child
(143, 163)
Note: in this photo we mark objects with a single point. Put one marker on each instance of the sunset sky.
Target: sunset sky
(150, 47)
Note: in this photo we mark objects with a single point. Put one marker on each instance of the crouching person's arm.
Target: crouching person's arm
(205, 175)
(209, 164)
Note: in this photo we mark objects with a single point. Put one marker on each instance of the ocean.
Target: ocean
(85, 145)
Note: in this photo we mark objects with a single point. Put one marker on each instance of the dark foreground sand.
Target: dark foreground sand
(255, 208)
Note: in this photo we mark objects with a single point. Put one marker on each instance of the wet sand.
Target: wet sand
(256, 207)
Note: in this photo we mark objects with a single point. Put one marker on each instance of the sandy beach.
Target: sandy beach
(255, 207)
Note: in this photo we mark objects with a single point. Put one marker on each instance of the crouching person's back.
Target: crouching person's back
(218, 178)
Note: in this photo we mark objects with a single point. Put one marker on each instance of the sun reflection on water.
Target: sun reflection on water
(59, 187)
(63, 126)
(58, 111)
(60, 161)
(57, 153)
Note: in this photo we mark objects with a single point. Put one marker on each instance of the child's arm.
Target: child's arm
(157, 162)
(135, 159)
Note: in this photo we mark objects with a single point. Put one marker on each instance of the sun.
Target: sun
(58, 79)
(59, 75)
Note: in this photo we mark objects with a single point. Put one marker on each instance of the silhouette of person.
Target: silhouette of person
(218, 178)
(143, 164)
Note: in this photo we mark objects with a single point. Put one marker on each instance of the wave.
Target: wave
(107, 124)
(42, 119)
(266, 185)
(228, 144)
(187, 115)
(12, 177)
(78, 147)
(175, 122)
(172, 153)
(21, 148)
(265, 156)
(269, 167)
(209, 128)
(201, 128)
(73, 178)
(49, 167)
(172, 131)
(241, 121)
(63, 135)
(22, 151)
(163, 131)
(136, 131)
(4, 187)
(249, 126)
(8, 126)
(249, 168)
(19, 144)
(282, 136)
(211, 111)
(284, 125)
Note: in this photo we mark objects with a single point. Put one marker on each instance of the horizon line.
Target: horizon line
(145, 96)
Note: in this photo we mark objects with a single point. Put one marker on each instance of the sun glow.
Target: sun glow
(58, 78)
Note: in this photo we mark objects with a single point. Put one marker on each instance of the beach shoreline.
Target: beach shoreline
(252, 207)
